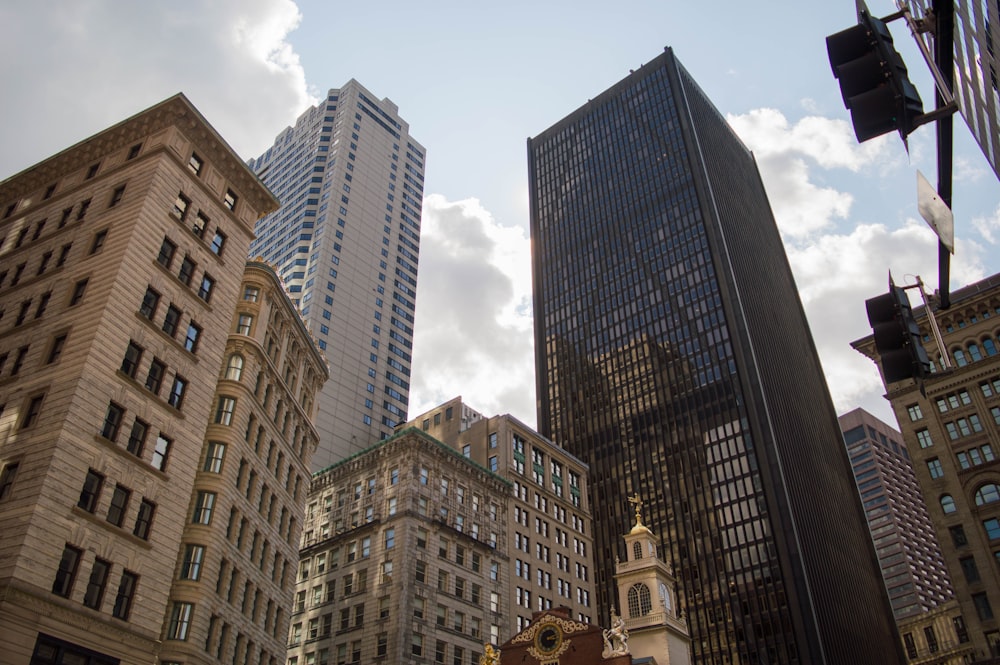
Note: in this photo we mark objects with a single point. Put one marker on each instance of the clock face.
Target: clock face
(548, 638)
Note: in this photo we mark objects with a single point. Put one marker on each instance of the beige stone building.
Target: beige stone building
(122, 262)
(403, 558)
(951, 427)
(937, 637)
(549, 525)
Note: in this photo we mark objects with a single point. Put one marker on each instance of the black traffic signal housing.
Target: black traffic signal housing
(897, 336)
(873, 80)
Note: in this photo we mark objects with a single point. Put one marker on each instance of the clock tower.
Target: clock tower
(647, 595)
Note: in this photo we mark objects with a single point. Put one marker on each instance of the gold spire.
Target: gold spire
(637, 502)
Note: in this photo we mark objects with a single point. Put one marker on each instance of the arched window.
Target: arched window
(988, 493)
(639, 603)
(636, 551)
(974, 352)
(665, 596)
(234, 368)
(960, 358)
(990, 347)
(947, 504)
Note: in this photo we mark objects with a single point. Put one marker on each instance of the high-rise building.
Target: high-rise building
(402, 559)
(907, 549)
(346, 240)
(951, 427)
(126, 290)
(674, 357)
(549, 527)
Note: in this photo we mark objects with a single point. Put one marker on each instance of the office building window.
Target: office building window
(95, 585)
(119, 504)
(66, 573)
(180, 621)
(144, 519)
(126, 592)
(91, 491)
(160, 452)
(203, 505)
(112, 421)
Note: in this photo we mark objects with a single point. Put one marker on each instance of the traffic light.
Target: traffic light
(873, 80)
(897, 336)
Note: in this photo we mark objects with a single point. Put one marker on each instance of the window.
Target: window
(137, 437)
(224, 410)
(95, 585)
(92, 171)
(160, 452)
(234, 367)
(91, 491)
(78, 290)
(7, 479)
(32, 412)
(205, 290)
(56, 349)
(181, 204)
(130, 363)
(204, 502)
(191, 339)
(171, 320)
(119, 504)
(186, 271)
(934, 467)
(166, 254)
(969, 569)
(988, 493)
(191, 564)
(144, 519)
(116, 196)
(176, 396)
(154, 378)
(149, 302)
(213, 457)
(98, 242)
(947, 504)
(992, 527)
(200, 222)
(244, 324)
(983, 607)
(180, 620)
(126, 592)
(924, 438)
(66, 573)
(218, 242)
(230, 199)
(195, 163)
(112, 421)
(251, 293)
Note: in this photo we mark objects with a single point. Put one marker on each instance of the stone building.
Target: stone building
(549, 528)
(951, 426)
(403, 558)
(122, 262)
(235, 572)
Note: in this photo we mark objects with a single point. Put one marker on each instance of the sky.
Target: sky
(474, 81)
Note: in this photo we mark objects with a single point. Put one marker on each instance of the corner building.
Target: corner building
(673, 356)
(402, 558)
(549, 529)
(951, 426)
(122, 262)
(346, 241)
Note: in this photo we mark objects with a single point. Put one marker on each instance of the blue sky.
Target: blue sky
(474, 81)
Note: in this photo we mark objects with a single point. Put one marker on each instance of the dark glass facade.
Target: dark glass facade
(673, 356)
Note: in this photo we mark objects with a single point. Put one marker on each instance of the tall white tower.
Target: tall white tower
(648, 596)
(346, 241)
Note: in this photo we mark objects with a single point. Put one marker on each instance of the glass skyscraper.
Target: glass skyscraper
(346, 241)
(674, 357)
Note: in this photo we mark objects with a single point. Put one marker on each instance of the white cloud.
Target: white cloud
(989, 227)
(105, 61)
(473, 336)
(786, 155)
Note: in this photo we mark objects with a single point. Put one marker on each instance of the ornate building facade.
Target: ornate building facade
(122, 262)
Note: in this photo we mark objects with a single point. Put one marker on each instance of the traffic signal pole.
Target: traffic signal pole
(944, 38)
